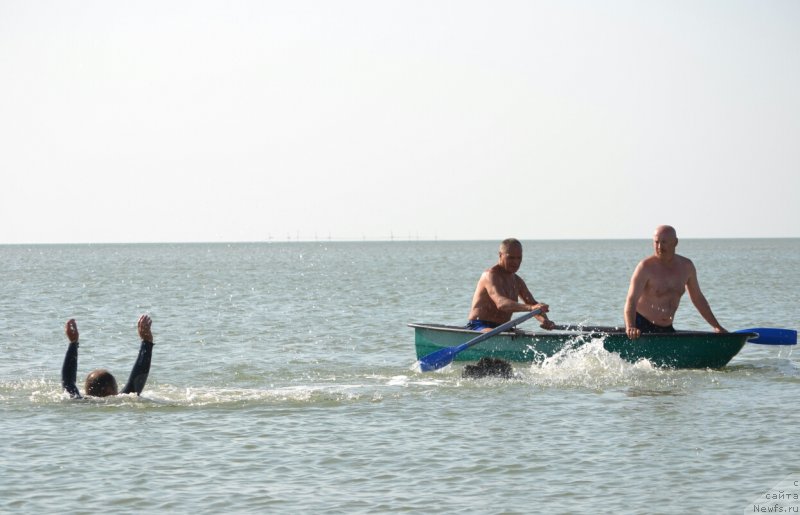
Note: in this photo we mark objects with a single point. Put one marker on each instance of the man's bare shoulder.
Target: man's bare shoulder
(652, 264)
(486, 276)
(496, 275)
(684, 262)
(648, 263)
(492, 271)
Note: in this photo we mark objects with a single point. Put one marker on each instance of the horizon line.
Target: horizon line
(374, 240)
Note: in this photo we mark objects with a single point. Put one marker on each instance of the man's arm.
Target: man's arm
(141, 369)
(69, 369)
(699, 300)
(527, 297)
(638, 281)
(504, 303)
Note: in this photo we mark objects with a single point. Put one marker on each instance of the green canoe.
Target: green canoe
(683, 349)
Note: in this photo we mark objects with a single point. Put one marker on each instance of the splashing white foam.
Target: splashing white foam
(591, 366)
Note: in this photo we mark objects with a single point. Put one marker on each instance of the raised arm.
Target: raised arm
(69, 369)
(141, 369)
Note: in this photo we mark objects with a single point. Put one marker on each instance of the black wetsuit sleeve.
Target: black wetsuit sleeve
(141, 369)
(69, 371)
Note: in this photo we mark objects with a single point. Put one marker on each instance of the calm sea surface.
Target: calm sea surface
(282, 381)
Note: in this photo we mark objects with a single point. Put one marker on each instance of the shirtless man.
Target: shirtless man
(499, 289)
(657, 286)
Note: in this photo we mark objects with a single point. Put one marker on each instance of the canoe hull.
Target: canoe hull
(684, 349)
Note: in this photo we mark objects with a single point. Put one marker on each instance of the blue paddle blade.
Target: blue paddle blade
(772, 336)
(439, 359)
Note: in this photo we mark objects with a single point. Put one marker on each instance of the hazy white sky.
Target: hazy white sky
(250, 120)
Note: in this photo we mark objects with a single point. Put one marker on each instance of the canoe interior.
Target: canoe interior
(683, 349)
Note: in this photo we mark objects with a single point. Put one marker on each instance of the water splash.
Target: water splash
(590, 366)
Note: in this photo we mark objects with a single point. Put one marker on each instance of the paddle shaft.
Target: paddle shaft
(766, 335)
(589, 328)
(499, 329)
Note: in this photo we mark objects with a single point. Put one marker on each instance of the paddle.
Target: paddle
(589, 328)
(766, 335)
(443, 357)
(772, 336)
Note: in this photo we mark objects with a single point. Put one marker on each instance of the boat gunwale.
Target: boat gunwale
(601, 330)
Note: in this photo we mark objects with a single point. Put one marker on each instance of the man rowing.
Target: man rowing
(499, 291)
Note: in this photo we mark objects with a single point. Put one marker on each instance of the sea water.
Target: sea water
(283, 381)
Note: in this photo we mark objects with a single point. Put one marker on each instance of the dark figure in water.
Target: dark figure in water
(100, 382)
(486, 366)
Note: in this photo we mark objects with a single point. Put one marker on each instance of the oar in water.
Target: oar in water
(772, 336)
(443, 357)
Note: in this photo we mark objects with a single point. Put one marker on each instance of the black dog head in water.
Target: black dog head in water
(489, 367)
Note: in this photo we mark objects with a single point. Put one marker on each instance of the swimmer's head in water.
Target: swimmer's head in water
(100, 383)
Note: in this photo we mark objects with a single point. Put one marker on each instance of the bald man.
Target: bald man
(657, 285)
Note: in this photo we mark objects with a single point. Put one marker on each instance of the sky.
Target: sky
(205, 121)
